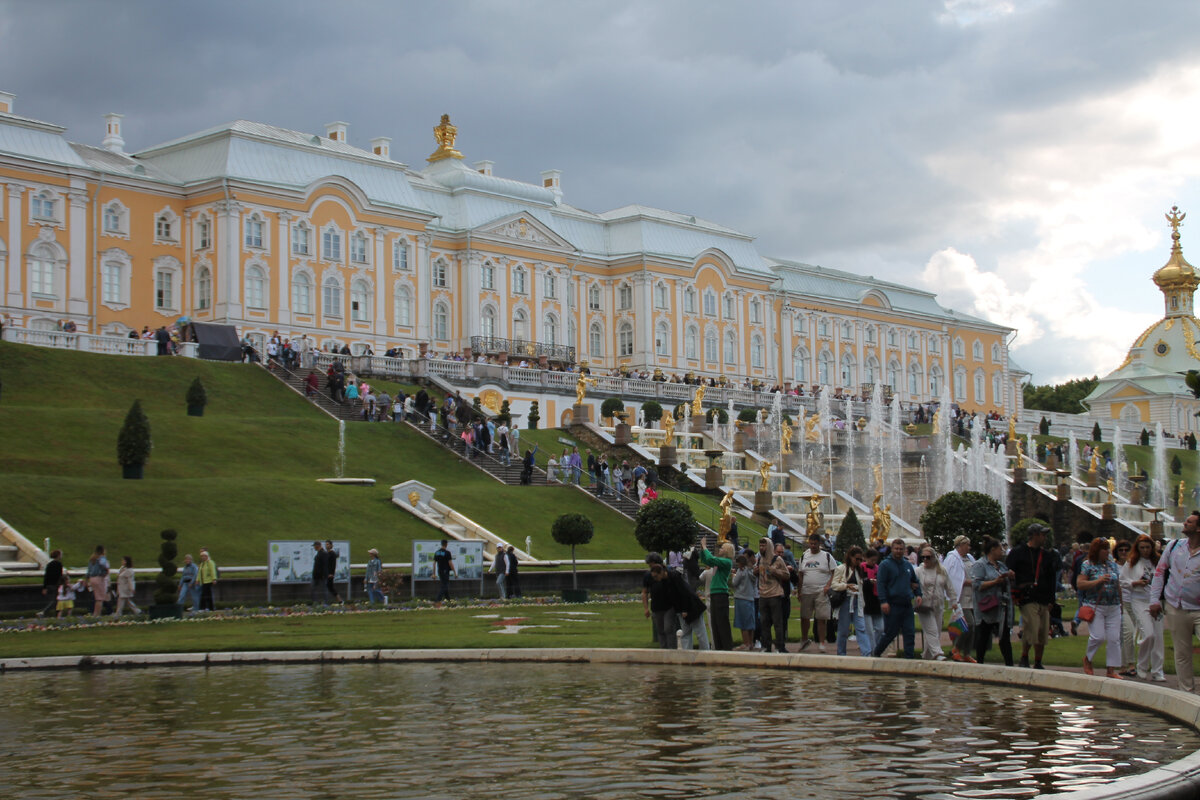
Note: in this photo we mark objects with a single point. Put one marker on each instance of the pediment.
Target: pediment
(524, 228)
(1121, 390)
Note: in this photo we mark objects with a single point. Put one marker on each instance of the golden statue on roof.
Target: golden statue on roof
(445, 134)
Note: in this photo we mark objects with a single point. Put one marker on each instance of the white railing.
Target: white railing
(92, 343)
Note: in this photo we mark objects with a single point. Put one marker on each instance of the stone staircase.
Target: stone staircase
(351, 412)
(18, 554)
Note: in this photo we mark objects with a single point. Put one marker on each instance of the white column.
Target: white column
(283, 269)
(382, 270)
(504, 314)
(904, 359)
(860, 334)
(228, 289)
(77, 266)
(788, 367)
(770, 349)
(424, 280)
(924, 387)
(836, 378)
(812, 351)
(643, 320)
(472, 264)
(679, 323)
(16, 258)
(535, 311)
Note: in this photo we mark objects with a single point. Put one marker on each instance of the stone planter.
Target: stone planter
(195, 411)
(166, 611)
(132, 472)
(575, 595)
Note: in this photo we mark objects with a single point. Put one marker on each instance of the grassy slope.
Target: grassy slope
(237, 477)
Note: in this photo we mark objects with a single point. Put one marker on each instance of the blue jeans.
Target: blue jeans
(502, 584)
(374, 593)
(899, 620)
(443, 588)
(851, 612)
(191, 590)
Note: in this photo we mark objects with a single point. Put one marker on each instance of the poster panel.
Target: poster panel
(468, 559)
(292, 561)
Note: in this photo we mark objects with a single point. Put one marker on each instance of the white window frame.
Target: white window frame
(691, 339)
(254, 231)
(166, 226)
(301, 239)
(120, 261)
(731, 348)
(728, 307)
(756, 352)
(595, 303)
(662, 338)
(41, 277)
(203, 232)
(710, 303)
(256, 287)
(302, 293)
(689, 301)
(360, 300)
(402, 301)
(712, 347)
(440, 277)
(487, 276)
(624, 339)
(596, 339)
(400, 255)
(331, 244)
(45, 205)
(115, 219)
(332, 298)
(169, 268)
(204, 288)
(661, 296)
(624, 297)
(549, 286)
(360, 248)
(441, 322)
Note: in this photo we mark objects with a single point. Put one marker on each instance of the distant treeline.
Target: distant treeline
(1063, 397)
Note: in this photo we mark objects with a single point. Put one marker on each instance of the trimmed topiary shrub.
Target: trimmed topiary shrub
(1096, 432)
(1018, 533)
(505, 414)
(973, 514)
(652, 411)
(133, 442)
(1176, 465)
(165, 590)
(534, 416)
(611, 407)
(197, 399)
(721, 414)
(748, 415)
(664, 525)
(850, 533)
(572, 529)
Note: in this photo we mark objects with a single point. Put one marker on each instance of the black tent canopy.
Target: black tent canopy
(217, 342)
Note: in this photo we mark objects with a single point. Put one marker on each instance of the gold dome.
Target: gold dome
(1177, 273)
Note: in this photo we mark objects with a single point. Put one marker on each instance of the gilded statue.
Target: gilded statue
(861, 424)
(812, 428)
(877, 519)
(725, 524)
(581, 386)
(1179, 501)
(668, 422)
(785, 438)
(937, 422)
(445, 134)
(1108, 484)
(698, 401)
(764, 472)
(1012, 425)
(814, 522)
(885, 525)
(1020, 456)
(1093, 466)
(878, 470)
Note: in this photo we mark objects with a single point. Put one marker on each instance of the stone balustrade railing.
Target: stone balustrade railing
(92, 343)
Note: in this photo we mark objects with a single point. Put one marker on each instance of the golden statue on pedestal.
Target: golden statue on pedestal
(668, 422)
(1179, 499)
(785, 438)
(1108, 484)
(937, 422)
(877, 513)
(1012, 425)
(698, 401)
(725, 524)
(445, 134)
(885, 524)
(581, 387)
(1020, 456)
(814, 522)
(1092, 466)
(812, 428)
(764, 472)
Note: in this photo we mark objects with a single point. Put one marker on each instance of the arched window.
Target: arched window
(959, 348)
(403, 302)
(549, 285)
(799, 324)
(596, 340)
(624, 296)
(710, 303)
(550, 330)
(893, 375)
(690, 342)
(912, 341)
(301, 237)
(846, 332)
(487, 322)
(203, 233)
(44, 206)
(487, 276)
(572, 334)
(441, 322)
(800, 364)
(872, 369)
(915, 378)
(871, 334)
(400, 255)
(689, 300)
(593, 298)
(256, 287)
(935, 381)
(710, 347)
(331, 297)
(847, 373)
(979, 387)
(624, 339)
(960, 384)
(824, 367)
(755, 312)
(730, 306)
(730, 348)
(164, 228)
(660, 295)
(822, 327)
(662, 339)
(204, 289)
(519, 281)
(995, 353)
(302, 299)
(254, 231)
(756, 352)
(360, 301)
(41, 271)
(331, 244)
(893, 338)
(358, 248)
(996, 399)
(441, 273)
(520, 324)
(977, 350)
(114, 219)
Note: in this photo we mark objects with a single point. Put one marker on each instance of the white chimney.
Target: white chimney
(6, 102)
(484, 167)
(552, 180)
(337, 131)
(112, 133)
(381, 146)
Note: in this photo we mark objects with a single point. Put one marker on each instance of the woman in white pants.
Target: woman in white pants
(1136, 574)
(1099, 588)
(935, 596)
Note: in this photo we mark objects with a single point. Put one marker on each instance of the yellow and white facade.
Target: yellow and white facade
(271, 229)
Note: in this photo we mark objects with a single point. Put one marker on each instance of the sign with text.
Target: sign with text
(468, 560)
(292, 562)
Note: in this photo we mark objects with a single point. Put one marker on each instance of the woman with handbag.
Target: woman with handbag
(1136, 575)
(847, 597)
(992, 581)
(1100, 606)
(936, 595)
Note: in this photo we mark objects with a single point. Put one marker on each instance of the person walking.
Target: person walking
(51, 579)
(1137, 573)
(126, 587)
(992, 580)
(1100, 590)
(958, 564)
(443, 566)
(188, 587)
(899, 591)
(320, 569)
(744, 617)
(500, 570)
(371, 579)
(657, 605)
(772, 572)
(514, 577)
(97, 575)
(1176, 589)
(718, 592)
(207, 576)
(848, 579)
(1036, 569)
(816, 575)
(331, 559)
(936, 594)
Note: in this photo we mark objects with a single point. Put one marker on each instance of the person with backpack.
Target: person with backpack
(1176, 589)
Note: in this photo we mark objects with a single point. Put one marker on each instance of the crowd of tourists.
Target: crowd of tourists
(1127, 593)
(61, 589)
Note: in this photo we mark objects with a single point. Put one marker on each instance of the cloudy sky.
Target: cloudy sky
(1015, 156)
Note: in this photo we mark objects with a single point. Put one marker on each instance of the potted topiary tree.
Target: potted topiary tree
(652, 412)
(611, 407)
(573, 529)
(166, 593)
(197, 399)
(133, 443)
(664, 525)
(505, 414)
(534, 416)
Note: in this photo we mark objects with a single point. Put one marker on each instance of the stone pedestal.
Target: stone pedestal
(581, 413)
(1138, 496)
(1108, 511)
(1010, 447)
(739, 442)
(1156, 529)
(1019, 475)
(623, 433)
(1062, 492)
(666, 456)
(762, 501)
(1093, 479)
(1051, 461)
(714, 476)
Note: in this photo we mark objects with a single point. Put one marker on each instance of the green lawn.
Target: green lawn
(241, 475)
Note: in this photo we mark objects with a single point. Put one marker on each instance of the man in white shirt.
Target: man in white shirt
(816, 573)
(1176, 588)
(958, 566)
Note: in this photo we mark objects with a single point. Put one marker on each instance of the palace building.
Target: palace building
(271, 229)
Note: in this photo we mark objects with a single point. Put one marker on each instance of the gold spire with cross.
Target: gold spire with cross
(445, 134)
(1177, 278)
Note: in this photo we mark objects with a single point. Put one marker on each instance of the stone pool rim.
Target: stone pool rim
(1178, 779)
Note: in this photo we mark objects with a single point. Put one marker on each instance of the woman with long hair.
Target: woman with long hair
(849, 577)
(935, 596)
(1136, 574)
(1100, 590)
(992, 581)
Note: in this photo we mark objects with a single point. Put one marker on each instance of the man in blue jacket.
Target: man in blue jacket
(899, 591)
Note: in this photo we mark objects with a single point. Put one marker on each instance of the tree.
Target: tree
(505, 415)
(664, 525)
(572, 529)
(1019, 532)
(1044, 427)
(973, 514)
(165, 591)
(850, 534)
(748, 415)
(534, 416)
(133, 442)
(721, 414)
(1096, 433)
(1063, 397)
(1176, 466)
(197, 399)
(611, 407)
(652, 411)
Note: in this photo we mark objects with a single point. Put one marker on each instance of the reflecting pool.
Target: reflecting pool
(556, 731)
